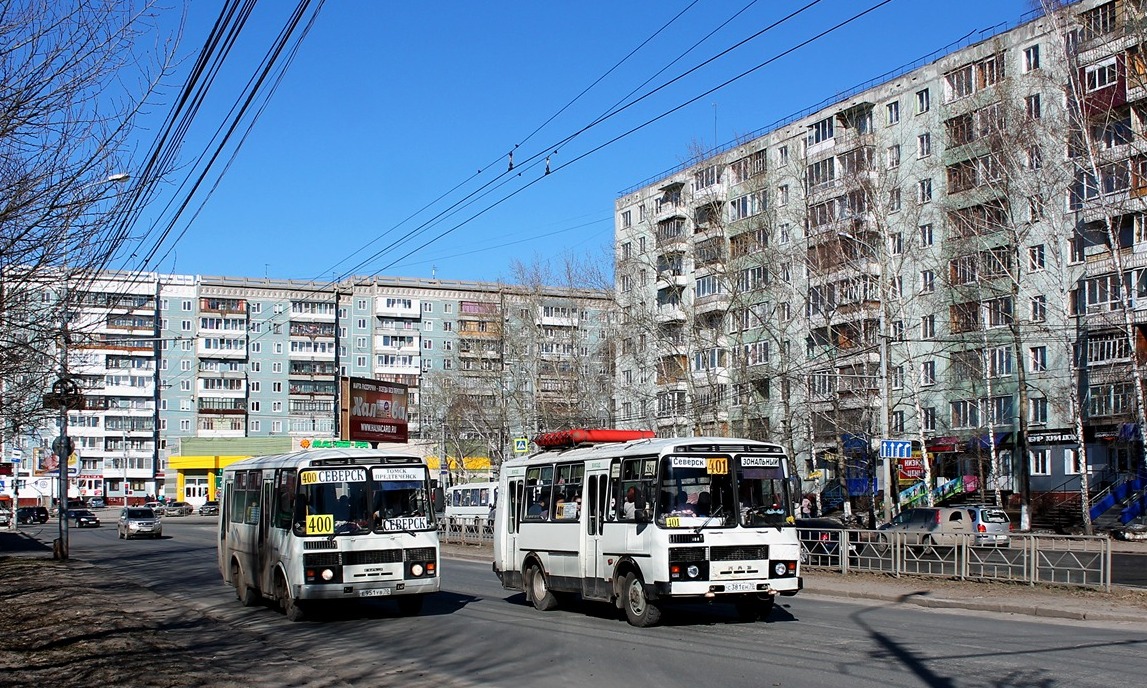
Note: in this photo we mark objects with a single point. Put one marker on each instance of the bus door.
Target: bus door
(595, 573)
(265, 553)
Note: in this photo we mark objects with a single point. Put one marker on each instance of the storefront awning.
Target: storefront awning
(949, 443)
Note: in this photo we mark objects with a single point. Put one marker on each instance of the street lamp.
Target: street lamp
(66, 396)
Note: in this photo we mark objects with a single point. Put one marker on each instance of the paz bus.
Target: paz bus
(470, 500)
(623, 517)
(305, 528)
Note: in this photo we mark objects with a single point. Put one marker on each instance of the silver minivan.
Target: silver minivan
(990, 525)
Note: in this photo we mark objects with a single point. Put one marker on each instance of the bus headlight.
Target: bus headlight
(416, 569)
(693, 571)
(328, 575)
(780, 569)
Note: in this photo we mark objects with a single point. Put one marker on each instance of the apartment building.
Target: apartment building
(953, 257)
(231, 366)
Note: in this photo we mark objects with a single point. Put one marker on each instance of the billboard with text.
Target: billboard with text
(373, 410)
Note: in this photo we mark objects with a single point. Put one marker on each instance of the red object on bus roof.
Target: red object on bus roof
(570, 438)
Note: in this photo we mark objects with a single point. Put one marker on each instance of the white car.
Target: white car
(5, 517)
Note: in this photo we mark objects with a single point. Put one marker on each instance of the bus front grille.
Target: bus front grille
(374, 556)
(739, 553)
(682, 555)
(420, 554)
(321, 559)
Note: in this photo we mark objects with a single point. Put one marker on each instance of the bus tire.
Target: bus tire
(538, 590)
(292, 608)
(751, 609)
(410, 605)
(244, 592)
(639, 610)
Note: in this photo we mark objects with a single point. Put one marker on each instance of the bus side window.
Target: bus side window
(284, 498)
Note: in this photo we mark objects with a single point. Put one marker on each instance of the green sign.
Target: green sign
(339, 444)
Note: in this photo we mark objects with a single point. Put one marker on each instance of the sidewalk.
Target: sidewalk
(1122, 605)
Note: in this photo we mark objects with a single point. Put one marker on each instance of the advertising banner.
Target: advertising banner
(373, 410)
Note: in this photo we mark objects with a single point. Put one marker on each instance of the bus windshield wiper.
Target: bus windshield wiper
(714, 515)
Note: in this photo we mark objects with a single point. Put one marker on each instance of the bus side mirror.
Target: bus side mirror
(643, 515)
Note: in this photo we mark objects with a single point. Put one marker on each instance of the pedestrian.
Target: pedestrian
(806, 507)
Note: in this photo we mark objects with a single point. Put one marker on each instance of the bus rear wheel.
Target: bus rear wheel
(639, 610)
(538, 590)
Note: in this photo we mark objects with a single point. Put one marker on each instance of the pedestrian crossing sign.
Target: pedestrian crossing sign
(521, 445)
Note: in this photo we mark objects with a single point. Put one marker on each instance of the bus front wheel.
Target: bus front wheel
(411, 605)
(292, 608)
(539, 591)
(244, 592)
(754, 608)
(639, 610)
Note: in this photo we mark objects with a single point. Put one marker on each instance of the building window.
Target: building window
(893, 157)
(927, 281)
(626, 220)
(893, 200)
(924, 145)
(1100, 76)
(1037, 411)
(1039, 308)
(783, 195)
(185, 425)
(1032, 106)
(928, 327)
(924, 191)
(926, 235)
(1041, 462)
(923, 102)
(897, 421)
(1031, 58)
(929, 420)
(928, 373)
(896, 244)
(1071, 463)
(276, 426)
(783, 156)
(1036, 258)
(893, 112)
(1038, 358)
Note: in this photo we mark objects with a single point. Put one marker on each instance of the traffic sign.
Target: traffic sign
(895, 449)
(521, 445)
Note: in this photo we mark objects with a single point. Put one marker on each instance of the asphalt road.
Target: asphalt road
(476, 633)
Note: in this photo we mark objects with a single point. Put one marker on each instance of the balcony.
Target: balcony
(397, 307)
(222, 406)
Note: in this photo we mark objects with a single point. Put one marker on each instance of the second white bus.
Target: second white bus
(647, 522)
(471, 500)
(328, 524)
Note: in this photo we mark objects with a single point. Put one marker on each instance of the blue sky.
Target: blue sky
(389, 106)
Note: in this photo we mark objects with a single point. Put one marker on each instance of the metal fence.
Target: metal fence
(1083, 561)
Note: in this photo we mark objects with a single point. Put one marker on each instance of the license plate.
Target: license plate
(374, 592)
(740, 587)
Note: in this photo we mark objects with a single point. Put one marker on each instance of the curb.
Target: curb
(996, 607)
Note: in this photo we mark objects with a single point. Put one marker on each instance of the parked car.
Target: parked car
(28, 515)
(139, 521)
(97, 503)
(5, 517)
(158, 507)
(931, 525)
(210, 508)
(991, 525)
(178, 509)
(82, 518)
(820, 541)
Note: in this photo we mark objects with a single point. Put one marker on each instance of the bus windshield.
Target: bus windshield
(762, 491)
(350, 500)
(695, 491)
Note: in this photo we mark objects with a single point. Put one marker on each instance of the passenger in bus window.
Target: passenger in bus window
(629, 508)
(342, 508)
(536, 509)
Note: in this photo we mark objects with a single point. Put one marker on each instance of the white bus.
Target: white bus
(470, 500)
(646, 522)
(328, 524)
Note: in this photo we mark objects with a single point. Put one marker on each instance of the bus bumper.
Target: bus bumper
(347, 591)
